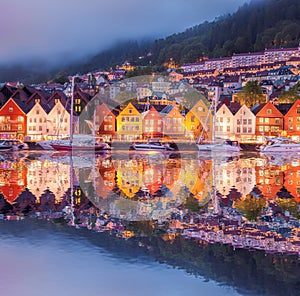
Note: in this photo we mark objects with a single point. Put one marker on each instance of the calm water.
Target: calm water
(149, 223)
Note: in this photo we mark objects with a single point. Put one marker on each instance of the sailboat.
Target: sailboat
(79, 142)
(224, 146)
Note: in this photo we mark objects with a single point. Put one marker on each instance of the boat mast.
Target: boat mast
(72, 110)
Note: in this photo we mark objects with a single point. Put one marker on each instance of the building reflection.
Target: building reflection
(249, 202)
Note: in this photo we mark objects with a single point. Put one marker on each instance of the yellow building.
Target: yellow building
(129, 124)
(198, 121)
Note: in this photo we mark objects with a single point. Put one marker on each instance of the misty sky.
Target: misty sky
(56, 29)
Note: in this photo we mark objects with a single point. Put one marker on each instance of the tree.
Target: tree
(61, 79)
(251, 94)
(291, 95)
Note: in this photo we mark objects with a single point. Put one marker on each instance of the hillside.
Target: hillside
(255, 26)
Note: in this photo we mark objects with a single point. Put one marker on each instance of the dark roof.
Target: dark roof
(284, 108)
(22, 105)
(256, 108)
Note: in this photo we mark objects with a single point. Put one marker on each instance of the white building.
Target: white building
(244, 124)
(224, 127)
(58, 121)
(37, 122)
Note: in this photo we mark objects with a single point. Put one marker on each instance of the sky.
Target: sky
(56, 30)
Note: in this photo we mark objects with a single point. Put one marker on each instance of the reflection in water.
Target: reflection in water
(248, 202)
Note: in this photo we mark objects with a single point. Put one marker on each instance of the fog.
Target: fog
(64, 30)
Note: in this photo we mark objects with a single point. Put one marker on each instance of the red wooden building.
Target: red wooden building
(13, 120)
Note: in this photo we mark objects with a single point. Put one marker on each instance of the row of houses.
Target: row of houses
(35, 117)
(244, 60)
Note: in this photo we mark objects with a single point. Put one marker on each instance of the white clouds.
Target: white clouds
(50, 28)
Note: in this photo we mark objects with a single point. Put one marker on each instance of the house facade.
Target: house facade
(129, 124)
(224, 127)
(198, 122)
(105, 122)
(13, 120)
(153, 124)
(292, 121)
(244, 124)
(58, 121)
(37, 123)
(173, 122)
(269, 121)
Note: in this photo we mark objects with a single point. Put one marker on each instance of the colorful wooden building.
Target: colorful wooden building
(129, 124)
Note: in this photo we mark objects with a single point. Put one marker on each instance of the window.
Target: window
(244, 121)
(221, 119)
(238, 129)
(244, 130)
(20, 118)
(228, 119)
(20, 127)
(290, 119)
(130, 111)
(10, 109)
(261, 129)
(267, 120)
(40, 128)
(267, 128)
(249, 121)
(269, 111)
(277, 120)
(238, 121)
(200, 108)
(193, 118)
(37, 112)
(228, 128)
(298, 111)
(261, 120)
(249, 130)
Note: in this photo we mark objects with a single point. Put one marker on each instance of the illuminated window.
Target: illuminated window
(20, 127)
(20, 118)
(267, 120)
(10, 109)
(269, 111)
(277, 120)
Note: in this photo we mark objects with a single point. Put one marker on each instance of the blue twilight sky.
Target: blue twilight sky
(66, 29)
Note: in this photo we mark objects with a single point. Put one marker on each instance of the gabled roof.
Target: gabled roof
(257, 107)
(166, 110)
(284, 108)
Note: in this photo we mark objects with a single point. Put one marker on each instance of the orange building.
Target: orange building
(173, 122)
(269, 120)
(292, 121)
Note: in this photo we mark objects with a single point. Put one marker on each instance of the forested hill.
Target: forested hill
(254, 26)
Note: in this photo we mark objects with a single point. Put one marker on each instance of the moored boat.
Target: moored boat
(152, 146)
(12, 145)
(280, 144)
(223, 146)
